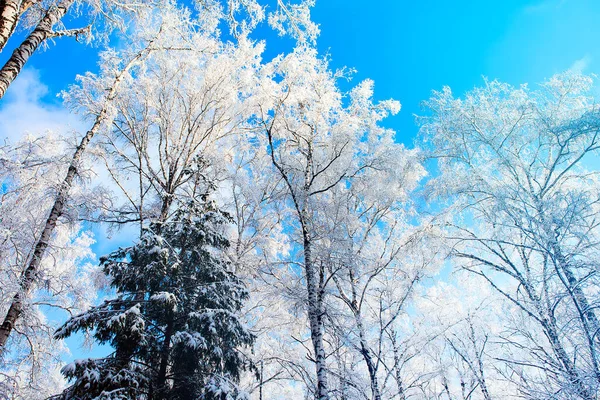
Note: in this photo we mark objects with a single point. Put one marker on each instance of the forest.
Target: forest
(271, 238)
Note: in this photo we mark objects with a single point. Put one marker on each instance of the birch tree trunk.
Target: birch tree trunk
(365, 350)
(21, 55)
(314, 295)
(366, 353)
(28, 277)
(586, 311)
(9, 15)
(551, 332)
(10, 10)
(315, 314)
(397, 364)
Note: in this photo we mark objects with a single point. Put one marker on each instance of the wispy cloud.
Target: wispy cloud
(23, 110)
(581, 65)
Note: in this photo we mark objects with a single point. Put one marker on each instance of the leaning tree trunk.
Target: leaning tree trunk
(28, 277)
(565, 362)
(42, 31)
(10, 11)
(366, 353)
(586, 312)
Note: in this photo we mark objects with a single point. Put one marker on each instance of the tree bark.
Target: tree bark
(10, 10)
(161, 381)
(588, 318)
(364, 346)
(21, 54)
(550, 331)
(366, 353)
(28, 277)
(315, 307)
(315, 316)
(397, 363)
(10, 13)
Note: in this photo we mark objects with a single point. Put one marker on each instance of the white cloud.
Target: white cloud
(23, 110)
(580, 66)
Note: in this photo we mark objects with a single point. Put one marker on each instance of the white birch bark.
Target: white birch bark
(39, 35)
(28, 278)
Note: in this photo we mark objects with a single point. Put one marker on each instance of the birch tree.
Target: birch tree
(115, 74)
(170, 121)
(377, 260)
(30, 171)
(104, 16)
(317, 145)
(45, 20)
(518, 161)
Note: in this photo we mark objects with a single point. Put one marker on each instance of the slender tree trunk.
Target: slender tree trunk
(260, 386)
(446, 388)
(161, 381)
(364, 349)
(397, 375)
(166, 206)
(21, 55)
(364, 346)
(343, 372)
(482, 381)
(315, 316)
(315, 306)
(28, 277)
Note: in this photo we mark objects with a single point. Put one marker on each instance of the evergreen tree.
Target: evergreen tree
(174, 324)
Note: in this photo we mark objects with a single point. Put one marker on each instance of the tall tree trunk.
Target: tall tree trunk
(28, 277)
(366, 353)
(261, 383)
(10, 13)
(315, 314)
(446, 388)
(314, 295)
(21, 55)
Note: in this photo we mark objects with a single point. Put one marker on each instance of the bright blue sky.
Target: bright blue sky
(407, 47)
(411, 47)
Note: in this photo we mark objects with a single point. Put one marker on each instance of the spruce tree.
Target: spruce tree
(174, 324)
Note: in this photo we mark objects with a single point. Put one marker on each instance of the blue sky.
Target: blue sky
(407, 47)
(411, 47)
